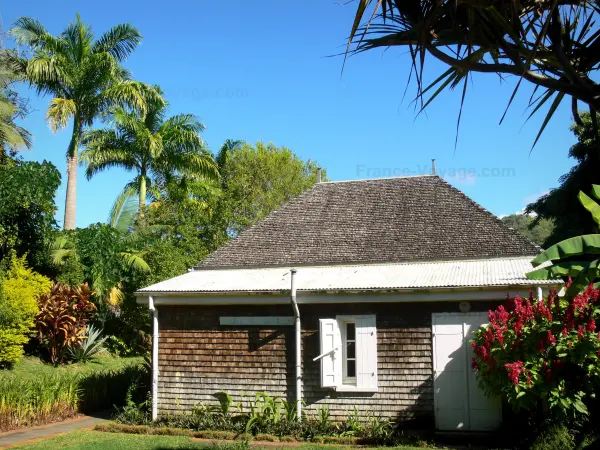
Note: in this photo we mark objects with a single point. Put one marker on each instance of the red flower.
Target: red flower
(565, 332)
(580, 332)
(474, 365)
(591, 325)
(550, 339)
(514, 370)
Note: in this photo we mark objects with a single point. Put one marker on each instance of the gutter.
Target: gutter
(298, 340)
(152, 308)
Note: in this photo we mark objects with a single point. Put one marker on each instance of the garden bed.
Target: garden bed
(33, 393)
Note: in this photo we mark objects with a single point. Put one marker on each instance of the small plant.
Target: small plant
(135, 413)
(62, 318)
(378, 430)
(352, 426)
(265, 412)
(89, 348)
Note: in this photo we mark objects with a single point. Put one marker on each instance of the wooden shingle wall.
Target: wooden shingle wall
(198, 358)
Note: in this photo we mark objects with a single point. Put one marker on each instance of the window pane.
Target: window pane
(350, 331)
(351, 368)
(351, 350)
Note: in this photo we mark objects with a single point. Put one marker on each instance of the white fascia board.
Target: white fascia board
(307, 298)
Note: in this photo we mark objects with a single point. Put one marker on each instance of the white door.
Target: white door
(459, 403)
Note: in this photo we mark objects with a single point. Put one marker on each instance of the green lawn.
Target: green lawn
(94, 440)
(33, 367)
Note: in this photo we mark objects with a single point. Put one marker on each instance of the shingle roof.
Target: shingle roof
(504, 272)
(373, 221)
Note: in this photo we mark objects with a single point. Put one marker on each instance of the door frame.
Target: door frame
(467, 359)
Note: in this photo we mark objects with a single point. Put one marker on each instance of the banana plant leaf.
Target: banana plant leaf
(558, 270)
(592, 206)
(578, 245)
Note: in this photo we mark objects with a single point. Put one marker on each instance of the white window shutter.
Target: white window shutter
(366, 358)
(331, 364)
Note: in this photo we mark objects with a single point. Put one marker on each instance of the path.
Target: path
(21, 436)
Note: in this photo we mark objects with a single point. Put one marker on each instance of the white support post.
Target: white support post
(540, 294)
(154, 357)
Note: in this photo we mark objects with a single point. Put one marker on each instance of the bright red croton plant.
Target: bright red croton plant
(541, 353)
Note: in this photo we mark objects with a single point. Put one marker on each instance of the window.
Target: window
(349, 353)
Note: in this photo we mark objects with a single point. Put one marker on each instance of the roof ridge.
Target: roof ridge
(380, 178)
(365, 264)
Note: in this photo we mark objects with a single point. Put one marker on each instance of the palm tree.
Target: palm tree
(85, 78)
(12, 137)
(162, 151)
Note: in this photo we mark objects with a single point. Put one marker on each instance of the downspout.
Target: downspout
(298, 330)
(154, 311)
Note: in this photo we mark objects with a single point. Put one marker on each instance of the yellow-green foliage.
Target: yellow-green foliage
(21, 288)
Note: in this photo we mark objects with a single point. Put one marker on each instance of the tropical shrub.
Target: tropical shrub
(21, 288)
(62, 319)
(542, 355)
(89, 348)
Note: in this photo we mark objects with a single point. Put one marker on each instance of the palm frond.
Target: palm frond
(120, 41)
(135, 261)
(105, 149)
(59, 112)
(61, 249)
(124, 209)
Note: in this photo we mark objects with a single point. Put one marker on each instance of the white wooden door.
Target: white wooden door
(459, 403)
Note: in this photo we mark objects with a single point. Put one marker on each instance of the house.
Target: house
(354, 294)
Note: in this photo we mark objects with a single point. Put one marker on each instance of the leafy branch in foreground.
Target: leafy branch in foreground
(553, 44)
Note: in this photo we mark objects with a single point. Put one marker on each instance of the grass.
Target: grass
(33, 393)
(94, 440)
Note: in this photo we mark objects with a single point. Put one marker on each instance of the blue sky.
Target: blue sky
(260, 71)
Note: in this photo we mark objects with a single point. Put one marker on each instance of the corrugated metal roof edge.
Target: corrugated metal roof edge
(528, 284)
(359, 264)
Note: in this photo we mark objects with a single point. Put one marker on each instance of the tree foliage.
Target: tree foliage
(27, 209)
(553, 45)
(85, 78)
(181, 233)
(20, 291)
(258, 179)
(114, 264)
(570, 217)
(157, 148)
(542, 353)
(13, 137)
(575, 258)
(536, 231)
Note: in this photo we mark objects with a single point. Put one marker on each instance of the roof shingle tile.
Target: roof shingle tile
(373, 221)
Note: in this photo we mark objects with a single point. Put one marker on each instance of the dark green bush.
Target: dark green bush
(554, 437)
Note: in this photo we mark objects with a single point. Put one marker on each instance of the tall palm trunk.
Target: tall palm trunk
(142, 198)
(72, 161)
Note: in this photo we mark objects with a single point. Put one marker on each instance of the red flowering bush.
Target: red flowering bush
(542, 353)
